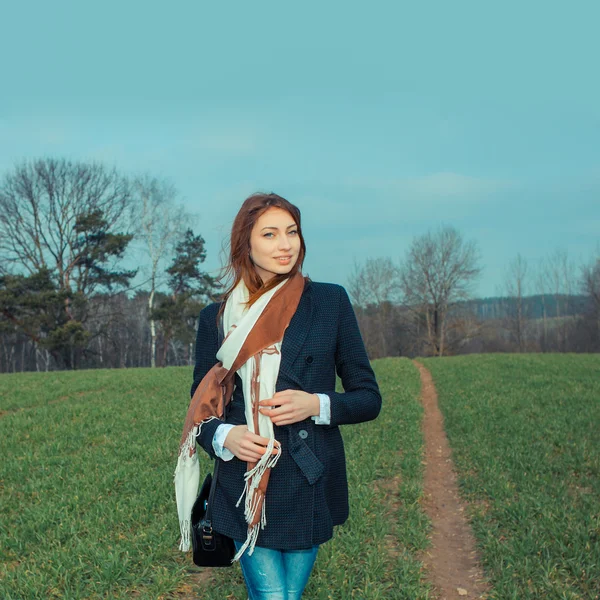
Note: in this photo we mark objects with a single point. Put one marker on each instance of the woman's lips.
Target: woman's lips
(284, 260)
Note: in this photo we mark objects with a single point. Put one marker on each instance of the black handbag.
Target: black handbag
(210, 549)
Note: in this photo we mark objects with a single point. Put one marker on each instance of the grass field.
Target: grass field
(88, 508)
(87, 499)
(525, 437)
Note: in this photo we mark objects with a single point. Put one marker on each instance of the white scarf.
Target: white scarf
(238, 321)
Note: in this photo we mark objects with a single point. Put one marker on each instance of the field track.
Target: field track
(452, 560)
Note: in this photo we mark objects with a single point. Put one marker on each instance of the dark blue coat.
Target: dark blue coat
(307, 492)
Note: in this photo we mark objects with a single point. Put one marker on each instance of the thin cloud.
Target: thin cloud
(388, 203)
(436, 185)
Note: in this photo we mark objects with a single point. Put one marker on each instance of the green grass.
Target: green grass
(87, 506)
(525, 437)
(87, 499)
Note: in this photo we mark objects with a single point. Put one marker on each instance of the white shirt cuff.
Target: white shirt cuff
(324, 417)
(219, 439)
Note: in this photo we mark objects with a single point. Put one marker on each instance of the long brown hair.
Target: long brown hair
(239, 265)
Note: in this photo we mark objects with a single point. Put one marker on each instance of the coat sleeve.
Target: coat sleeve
(206, 358)
(361, 399)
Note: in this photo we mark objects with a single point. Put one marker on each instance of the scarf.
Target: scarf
(252, 348)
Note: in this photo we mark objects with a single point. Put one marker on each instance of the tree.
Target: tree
(517, 313)
(373, 288)
(190, 287)
(35, 306)
(590, 285)
(374, 283)
(543, 287)
(57, 224)
(40, 203)
(562, 276)
(437, 271)
(160, 223)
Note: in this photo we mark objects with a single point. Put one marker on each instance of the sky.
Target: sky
(381, 121)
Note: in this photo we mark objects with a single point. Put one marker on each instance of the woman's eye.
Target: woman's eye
(271, 234)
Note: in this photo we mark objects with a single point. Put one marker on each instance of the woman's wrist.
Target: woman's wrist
(227, 436)
(316, 410)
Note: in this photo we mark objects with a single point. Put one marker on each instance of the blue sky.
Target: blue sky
(380, 120)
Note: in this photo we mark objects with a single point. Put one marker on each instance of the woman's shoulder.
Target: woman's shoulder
(327, 290)
(210, 311)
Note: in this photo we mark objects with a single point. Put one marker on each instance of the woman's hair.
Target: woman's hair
(239, 265)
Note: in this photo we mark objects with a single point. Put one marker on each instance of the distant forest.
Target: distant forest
(536, 307)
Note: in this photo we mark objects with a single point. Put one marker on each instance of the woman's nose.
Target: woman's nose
(284, 242)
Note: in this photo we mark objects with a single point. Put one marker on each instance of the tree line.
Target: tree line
(76, 236)
(67, 231)
(424, 306)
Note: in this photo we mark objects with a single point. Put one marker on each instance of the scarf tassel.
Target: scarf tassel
(187, 479)
(253, 497)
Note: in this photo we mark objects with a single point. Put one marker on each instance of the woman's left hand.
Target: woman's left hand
(291, 406)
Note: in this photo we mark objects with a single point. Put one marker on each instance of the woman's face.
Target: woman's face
(274, 243)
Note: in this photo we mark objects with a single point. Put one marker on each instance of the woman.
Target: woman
(282, 485)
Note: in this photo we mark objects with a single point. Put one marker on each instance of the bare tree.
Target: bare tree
(517, 313)
(590, 285)
(438, 271)
(374, 283)
(374, 289)
(562, 273)
(40, 205)
(58, 221)
(161, 223)
(543, 286)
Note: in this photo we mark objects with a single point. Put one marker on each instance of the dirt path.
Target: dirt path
(451, 560)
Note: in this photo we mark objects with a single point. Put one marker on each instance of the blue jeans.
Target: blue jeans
(276, 574)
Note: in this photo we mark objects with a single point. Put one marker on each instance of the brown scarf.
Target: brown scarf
(217, 384)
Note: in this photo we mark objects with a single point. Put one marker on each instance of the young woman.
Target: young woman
(282, 485)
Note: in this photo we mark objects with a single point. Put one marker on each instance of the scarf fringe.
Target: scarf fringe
(252, 479)
(186, 534)
(249, 543)
(187, 460)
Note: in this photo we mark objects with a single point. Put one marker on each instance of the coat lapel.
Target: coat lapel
(295, 334)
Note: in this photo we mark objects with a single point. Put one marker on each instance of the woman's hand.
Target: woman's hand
(247, 445)
(291, 406)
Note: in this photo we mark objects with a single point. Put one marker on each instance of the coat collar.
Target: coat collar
(296, 332)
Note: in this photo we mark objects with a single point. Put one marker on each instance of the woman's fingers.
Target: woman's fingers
(249, 456)
(254, 446)
(292, 406)
(246, 445)
(256, 439)
(273, 412)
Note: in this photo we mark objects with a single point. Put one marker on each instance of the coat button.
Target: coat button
(303, 434)
(309, 359)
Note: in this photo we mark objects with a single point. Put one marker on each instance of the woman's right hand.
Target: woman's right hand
(246, 445)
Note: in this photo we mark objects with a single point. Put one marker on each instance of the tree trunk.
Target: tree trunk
(175, 355)
(166, 336)
(152, 328)
(545, 323)
(558, 327)
(442, 313)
